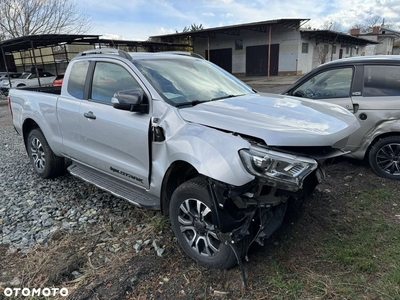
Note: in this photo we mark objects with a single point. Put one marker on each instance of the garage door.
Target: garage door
(222, 58)
(257, 60)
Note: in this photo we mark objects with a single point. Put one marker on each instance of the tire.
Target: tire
(45, 163)
(191, 221)
(21, 85)
(384, 157)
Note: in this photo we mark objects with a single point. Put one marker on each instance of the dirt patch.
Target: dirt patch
(293, 258)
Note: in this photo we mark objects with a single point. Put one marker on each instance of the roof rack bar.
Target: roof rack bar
(106, 51)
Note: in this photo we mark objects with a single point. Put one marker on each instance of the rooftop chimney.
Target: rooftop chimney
(355, 31)
(375, 30)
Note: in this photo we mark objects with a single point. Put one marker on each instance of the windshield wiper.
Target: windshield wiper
(191, 103)
(226, 97)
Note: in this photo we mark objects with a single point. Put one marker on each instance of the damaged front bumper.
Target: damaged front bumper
(255, 211)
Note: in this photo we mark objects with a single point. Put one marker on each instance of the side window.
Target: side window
(329, 84)
(108, 79)
(33, 76)
(381, 81)
(77, 78)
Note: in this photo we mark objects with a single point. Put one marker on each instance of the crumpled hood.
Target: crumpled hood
(277, 119)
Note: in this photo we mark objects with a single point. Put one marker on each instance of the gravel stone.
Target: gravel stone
(33, 209)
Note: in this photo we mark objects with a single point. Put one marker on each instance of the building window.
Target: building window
(347, 50)
(357, 50)
(239, 45)
(304, 48)
(334, 49)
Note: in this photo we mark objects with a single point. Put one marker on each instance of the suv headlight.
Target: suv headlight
(285, 171)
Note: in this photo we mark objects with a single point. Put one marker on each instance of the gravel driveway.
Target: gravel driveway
(32, 209)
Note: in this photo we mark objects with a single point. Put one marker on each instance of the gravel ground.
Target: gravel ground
(33, 209)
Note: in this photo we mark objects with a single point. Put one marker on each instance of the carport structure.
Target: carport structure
(39, 51)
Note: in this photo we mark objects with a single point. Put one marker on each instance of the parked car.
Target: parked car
(369, 87)
(178, 133)
(59, 80)
(4, 78)
(31, 79)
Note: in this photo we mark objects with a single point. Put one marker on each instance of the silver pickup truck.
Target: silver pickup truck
(178, 134)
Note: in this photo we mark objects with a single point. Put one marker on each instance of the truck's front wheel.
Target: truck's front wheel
(45, 163)
(191, 219)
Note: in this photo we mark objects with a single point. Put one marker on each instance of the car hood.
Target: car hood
(277, 119)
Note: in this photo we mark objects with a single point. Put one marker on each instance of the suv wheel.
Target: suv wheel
(191, 220)
(45, 163)
(384, 157)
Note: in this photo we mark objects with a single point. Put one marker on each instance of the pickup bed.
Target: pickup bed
(178, 134)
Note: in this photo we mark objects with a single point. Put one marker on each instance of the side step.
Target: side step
(115, 186)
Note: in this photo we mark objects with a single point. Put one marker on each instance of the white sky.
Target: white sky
(139, 19)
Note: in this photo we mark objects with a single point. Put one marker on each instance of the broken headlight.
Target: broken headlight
(285, 171)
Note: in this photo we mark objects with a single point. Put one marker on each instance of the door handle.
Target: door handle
(355, 108)
(89, 115)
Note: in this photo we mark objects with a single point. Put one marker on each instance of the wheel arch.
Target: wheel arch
(378, 138)
(177, 173)
(27, 127)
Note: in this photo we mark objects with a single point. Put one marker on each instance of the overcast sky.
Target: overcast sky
(139, 19)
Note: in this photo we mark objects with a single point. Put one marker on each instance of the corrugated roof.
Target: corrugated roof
(49, 40)
(45, 40)
(328, 36)
(233, 29)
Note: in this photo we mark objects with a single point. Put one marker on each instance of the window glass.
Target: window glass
(304, 48)
(77, 77)
(108, 79)
(182, 80)
(381, 81)
(329, 84)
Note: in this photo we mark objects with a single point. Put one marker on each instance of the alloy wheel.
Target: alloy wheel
(38, 155)
(388, 158)
(195, 222)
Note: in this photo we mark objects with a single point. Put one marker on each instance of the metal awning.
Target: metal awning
(334, 37)
(45, 40)
(262, 26)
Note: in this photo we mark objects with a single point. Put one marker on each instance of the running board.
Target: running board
(121, 189)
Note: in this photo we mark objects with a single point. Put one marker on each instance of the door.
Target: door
(257, 60)
(68, 109)
(332, 85)
(222, 58)
(114, 141)
(378, 104)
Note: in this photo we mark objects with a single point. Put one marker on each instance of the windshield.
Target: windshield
(24, 75)
(190, 81)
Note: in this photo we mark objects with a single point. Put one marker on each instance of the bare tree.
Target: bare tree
(333, 26)
(28, 17)
(372, 21)
(324, 52)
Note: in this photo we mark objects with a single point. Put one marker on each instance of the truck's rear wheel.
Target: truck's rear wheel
(191, 219)
(45, 163)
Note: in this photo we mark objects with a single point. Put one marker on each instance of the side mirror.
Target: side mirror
(131, 100)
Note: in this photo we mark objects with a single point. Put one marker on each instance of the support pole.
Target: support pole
(269, 51)
(5, 65)
(208, 48)
(34, 59)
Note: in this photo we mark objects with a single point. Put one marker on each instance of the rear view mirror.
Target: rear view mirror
(131, 100)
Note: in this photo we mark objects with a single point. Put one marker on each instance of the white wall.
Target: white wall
(286, 38)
